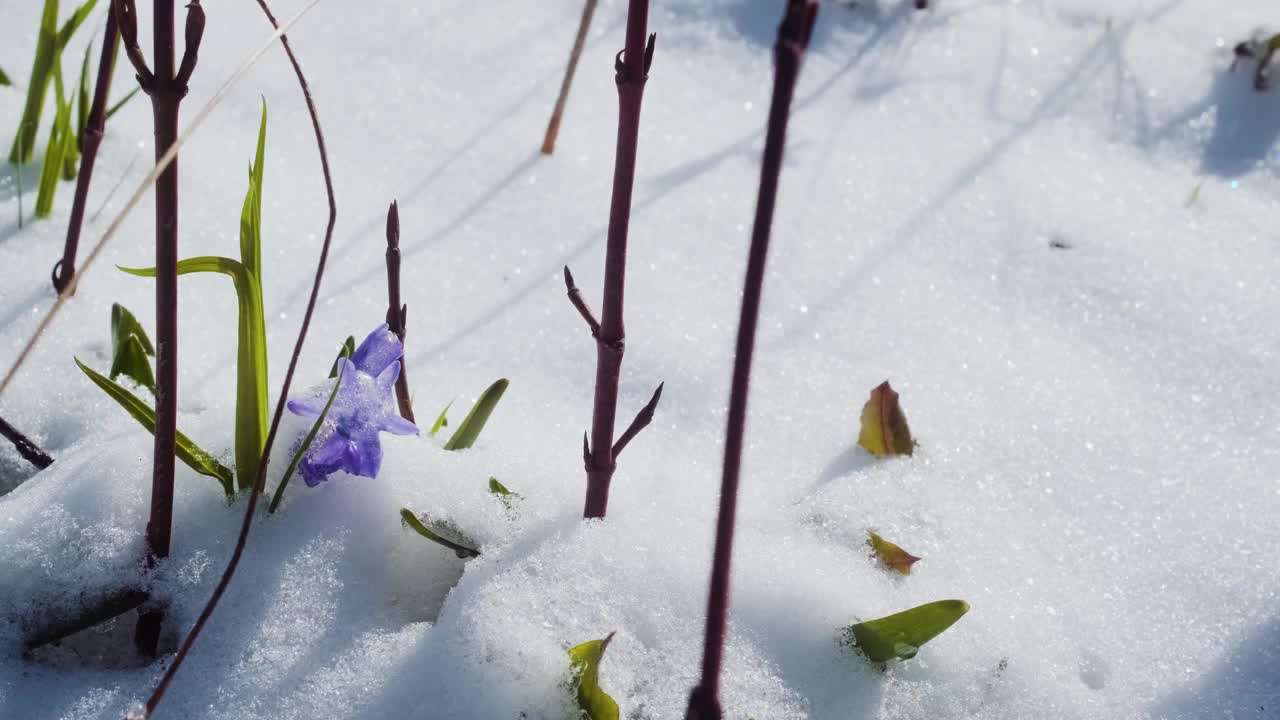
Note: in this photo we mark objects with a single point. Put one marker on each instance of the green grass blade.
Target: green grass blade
(462, 551)
(347, 350)
(130, 359)
(251, 353)
(82, 100)
(186, 451)
(112, 110)
(467, 433)
(25, 141)
(442, 420)
(73, 23)
(900, 635)
(251, 214)
(55, 151)
(306, 445)
(4, 79)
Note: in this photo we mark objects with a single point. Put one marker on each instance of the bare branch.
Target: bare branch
(127, 18)
(575, 297)
(194, 32)
(27, 449)
(642, 420)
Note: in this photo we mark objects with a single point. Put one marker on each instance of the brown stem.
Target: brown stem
(397, 313)
(641, 421)
(631, 70)
(553, 125)
(242, 539)
(27, 449)
(65, 269)
(58, 628)
(793, 38)
(575, 297)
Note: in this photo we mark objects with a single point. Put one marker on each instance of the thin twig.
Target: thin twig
(260, 481)
(553, 125)
(631, 70)
(141, 191)
(66, 267)
(27, 449)
(793, 38)
(397, 312)
(641, 421)
(59, 628)
(575, 297)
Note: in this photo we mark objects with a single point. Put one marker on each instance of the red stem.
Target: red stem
(632, 69)
(165, 101)
(397, 313)
(27, 449)
(64, 271)
(247, 522)
(793, 37)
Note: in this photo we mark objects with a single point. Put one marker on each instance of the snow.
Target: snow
(1097, 473)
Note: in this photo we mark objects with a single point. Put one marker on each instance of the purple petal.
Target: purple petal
(377, 351)
(397, 425)
(387, 378)
(328, 452)
(308, 407)
(363, 459)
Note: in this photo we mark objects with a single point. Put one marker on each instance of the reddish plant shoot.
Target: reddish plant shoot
(788, 53)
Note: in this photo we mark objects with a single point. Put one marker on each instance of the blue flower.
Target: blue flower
(363, 407)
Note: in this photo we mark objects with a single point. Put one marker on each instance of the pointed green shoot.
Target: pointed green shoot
(124, 324)
(187, 451)
(442, 420)
(462, 551)
(121, 103)
(49, 44)
(467, 433)
(507, 497)
(306, 443)
(585, 661)
(347, 350)
(61, 145)
(4, 79)
(251, 358)
(900, 635)
(251, 213)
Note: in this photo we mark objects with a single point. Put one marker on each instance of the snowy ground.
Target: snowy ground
(1098, 466)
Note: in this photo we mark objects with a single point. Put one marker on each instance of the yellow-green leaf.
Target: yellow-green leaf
(891, 555)
(585, 661)
(900, 635)
(186, 451)
(467, 433)
(884, 426)
(462, 551)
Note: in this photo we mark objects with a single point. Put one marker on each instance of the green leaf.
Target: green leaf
(121, 103)
(884, 426)
(891, 555)
(251, 213)
(124, 324)
(462, 551)
(306, 445)
(187, 451)
(901, 635)
(130, 359)
(49, 44)
(347, 350)
(585, 661)
(251, 354)
(56, 150)
(441, 420)
(507, 497)
(467, 433)
(4, 79)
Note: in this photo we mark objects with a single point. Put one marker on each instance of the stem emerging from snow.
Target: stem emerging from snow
(158, 694)
(65, 269)
(27, 449)
(166, 85)
(793, 38)
(397, 313)
(631, 70)
(553, 126)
